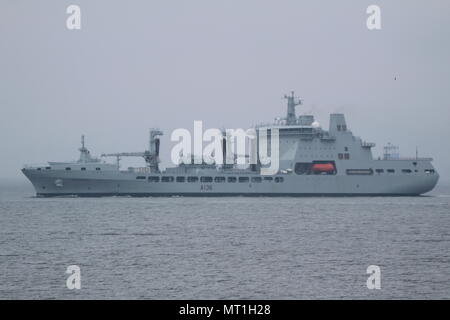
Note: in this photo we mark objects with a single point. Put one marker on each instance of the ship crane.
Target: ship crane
(151, 156)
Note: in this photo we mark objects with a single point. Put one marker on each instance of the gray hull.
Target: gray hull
(312, 162)
(124, 183)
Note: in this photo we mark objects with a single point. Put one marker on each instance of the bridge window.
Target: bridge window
(340, 156)
(219, 179)
(140, 178)
(379, 170)
(268, 178)
(153, 179)
(232, 179)
(429, 171)
(206, 179)
(48, 168)
(279, 179)
(338, 127)
(167, 179)
(181, 179)
(98, 169)
(406, 170)
(68, 168)
(256, 179)
(346, 156)
(83, 169)
(391, 170)
(192, 179)
(243, 179)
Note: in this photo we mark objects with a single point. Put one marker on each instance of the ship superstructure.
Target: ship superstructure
(312, 161)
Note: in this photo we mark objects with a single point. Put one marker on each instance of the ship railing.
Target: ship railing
(35, 165)
(365, 144)
(328, 138)
(264, 124)
(406, 159)
(138, 169)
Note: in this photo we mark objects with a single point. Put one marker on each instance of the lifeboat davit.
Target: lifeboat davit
(322, 167)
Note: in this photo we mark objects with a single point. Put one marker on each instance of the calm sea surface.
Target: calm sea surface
(224, 248)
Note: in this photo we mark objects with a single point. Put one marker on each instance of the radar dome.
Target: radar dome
(315, 124)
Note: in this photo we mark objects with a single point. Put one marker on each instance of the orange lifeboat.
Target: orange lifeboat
(322, 167)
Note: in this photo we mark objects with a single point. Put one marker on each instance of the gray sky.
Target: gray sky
(140, 64)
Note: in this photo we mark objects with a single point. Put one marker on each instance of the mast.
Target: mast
(83, 151)
(293, 101)
(85, 155)
(152, 158)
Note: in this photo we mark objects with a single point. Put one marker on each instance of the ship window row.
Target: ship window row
(342, 156)
(370, 171)
(317, 148)
(82, 169)
(206, 179)
(46, 168)
(359, 171)
(379, 171)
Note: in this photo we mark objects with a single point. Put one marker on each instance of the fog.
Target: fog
(141, 64)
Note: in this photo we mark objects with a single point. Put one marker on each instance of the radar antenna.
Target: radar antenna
(293, 101)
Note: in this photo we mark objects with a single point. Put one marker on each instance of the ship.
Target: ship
(312, 162)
